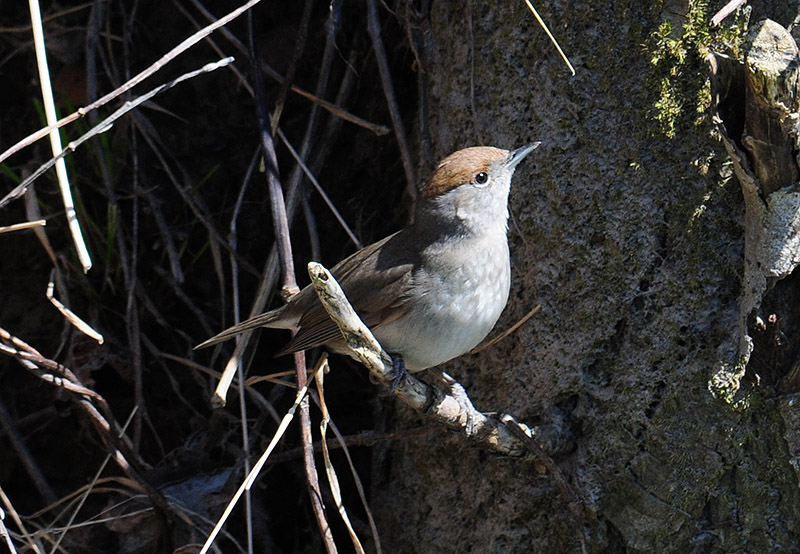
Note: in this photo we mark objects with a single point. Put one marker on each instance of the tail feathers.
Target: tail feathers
(271, 319)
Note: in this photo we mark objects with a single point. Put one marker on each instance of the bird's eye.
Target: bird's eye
(481, 178)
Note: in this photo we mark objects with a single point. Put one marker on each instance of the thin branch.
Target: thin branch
(240, 370)
(24, 456)
(726, 10)
(253, 474)
(341, 442)
(280, 221)
(34, 213)
(333, 108)
(68, 314)
(333, 478)
(320, 190)
(301, 35)
(34, 543)
(504, 334)
(522, 432)
(374, 28)
(446, 409)
(22, 226)
(88, 489)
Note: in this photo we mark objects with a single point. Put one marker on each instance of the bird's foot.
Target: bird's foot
(399, 370)
(456, 390)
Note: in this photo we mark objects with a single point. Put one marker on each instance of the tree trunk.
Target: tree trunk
(628, 228)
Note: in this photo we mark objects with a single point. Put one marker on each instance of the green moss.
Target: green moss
(726, 384)
(668, 108)
(679, 75)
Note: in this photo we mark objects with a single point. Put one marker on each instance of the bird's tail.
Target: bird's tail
(267, 319)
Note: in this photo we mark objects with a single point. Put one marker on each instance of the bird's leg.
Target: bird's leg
(399, 369)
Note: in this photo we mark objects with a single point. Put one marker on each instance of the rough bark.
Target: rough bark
(759, 130)
(633, 242)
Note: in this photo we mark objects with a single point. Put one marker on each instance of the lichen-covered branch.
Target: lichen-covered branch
(457, 414)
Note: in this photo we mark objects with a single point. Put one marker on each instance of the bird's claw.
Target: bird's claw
(398, 369)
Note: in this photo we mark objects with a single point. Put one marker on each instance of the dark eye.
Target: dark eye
(482, 178)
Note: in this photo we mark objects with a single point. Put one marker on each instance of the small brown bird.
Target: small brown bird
(433, 290)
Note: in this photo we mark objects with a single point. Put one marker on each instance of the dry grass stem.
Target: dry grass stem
(333, 479)
(55, 137)
(22, 226)
(507, 332)
(69, 315)
(550, 35)
(254, 472)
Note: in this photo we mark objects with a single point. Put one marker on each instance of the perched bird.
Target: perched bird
(433, 290)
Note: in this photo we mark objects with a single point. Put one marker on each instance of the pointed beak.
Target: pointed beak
(516, 156)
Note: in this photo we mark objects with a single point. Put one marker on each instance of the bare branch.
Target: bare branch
(441, 407)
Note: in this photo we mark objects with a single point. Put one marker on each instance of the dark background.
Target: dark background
(627, 228)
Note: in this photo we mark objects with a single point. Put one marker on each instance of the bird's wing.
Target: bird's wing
(375, 280)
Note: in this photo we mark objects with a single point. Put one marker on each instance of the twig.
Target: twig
(34, 213)
(163, 229)
(313, 118)
(311, 126)
(341, 442)
(193, 202)
(363, 439)
(4, 536)
(268, 278)
(33, 542)
(419, 33)
(52, 17)
(25, 457)
(333, 478)
(320, 190)
(253, 474)
(233, 241)
(471, 39)
(522, 432)
(504, 334)
(326, 143)
(240, 370)
(281, 224)
(726, 10)
(88, 489)
(374, 28)
(301, 35)
(333, 108)
(185, 298)
(68, 314)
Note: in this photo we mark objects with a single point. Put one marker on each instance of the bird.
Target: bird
(431, 291)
